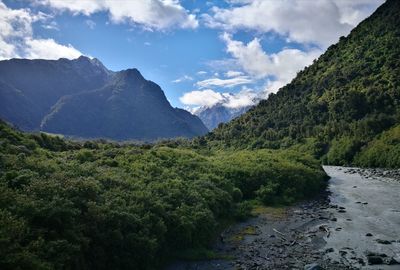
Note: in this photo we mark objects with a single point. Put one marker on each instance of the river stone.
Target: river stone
(329, 250)
(375, 260)
(393, 261)
(313, 266)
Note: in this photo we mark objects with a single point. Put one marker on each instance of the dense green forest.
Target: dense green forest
(345, 99)
(99, 205)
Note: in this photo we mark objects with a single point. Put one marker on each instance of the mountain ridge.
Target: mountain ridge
(37, 100)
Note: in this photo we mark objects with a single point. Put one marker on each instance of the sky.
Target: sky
(230, 52)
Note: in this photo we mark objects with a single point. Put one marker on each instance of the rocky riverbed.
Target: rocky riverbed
(355, 224)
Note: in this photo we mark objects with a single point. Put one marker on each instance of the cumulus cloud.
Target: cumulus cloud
(319, 22)
(17, 41)
(208, 98)
(49, 49)
(282, 66)
(151, 14)
(231, 82)
(244, 98)
(275, 70)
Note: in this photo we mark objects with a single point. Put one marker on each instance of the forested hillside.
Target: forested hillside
(346, 97)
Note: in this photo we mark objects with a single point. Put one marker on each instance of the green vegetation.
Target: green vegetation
(99, 205)
(336, 106)
(383, 151)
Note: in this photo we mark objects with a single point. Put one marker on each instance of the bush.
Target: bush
(383, 151)
(342, 151)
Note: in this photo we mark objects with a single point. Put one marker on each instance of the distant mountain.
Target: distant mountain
(82, 98)
(217, 114)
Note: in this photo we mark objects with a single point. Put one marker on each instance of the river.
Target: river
(355, 223)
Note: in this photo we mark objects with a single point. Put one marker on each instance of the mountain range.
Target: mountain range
(214, 115)
(82, 98)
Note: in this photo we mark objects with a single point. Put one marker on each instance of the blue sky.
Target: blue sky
(200, 52)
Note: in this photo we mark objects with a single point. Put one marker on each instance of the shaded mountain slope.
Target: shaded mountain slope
(128, 107)
(31, 87)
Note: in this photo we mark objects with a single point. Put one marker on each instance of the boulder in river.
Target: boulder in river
(375, 260)
(383, 242)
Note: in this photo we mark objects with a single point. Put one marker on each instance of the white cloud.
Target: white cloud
(49, 49)
(17, 41)
(283, 65)
(321, 22)
(353, 12)
(209, 98)
(14, 25)
(201, 72)
(232, 73)
(183, 79)
(231, 82)
(244, 98)
(151, 14)
(272, 86)
(274, 70)
(206, 97)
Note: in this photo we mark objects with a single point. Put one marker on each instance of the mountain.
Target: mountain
(217, 114)
(82, 98)
(336, 106)
(29, 88)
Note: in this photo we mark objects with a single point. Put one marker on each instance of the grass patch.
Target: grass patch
(275, 212)
(248, 230)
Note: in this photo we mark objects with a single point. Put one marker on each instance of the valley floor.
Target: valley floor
(356, 223)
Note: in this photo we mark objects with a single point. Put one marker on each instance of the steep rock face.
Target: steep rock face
(82, 98)
(128, 107)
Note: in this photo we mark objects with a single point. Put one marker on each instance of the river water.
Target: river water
(330, 231)
(372, 206)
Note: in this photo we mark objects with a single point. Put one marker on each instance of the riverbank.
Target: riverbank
(355, 223)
